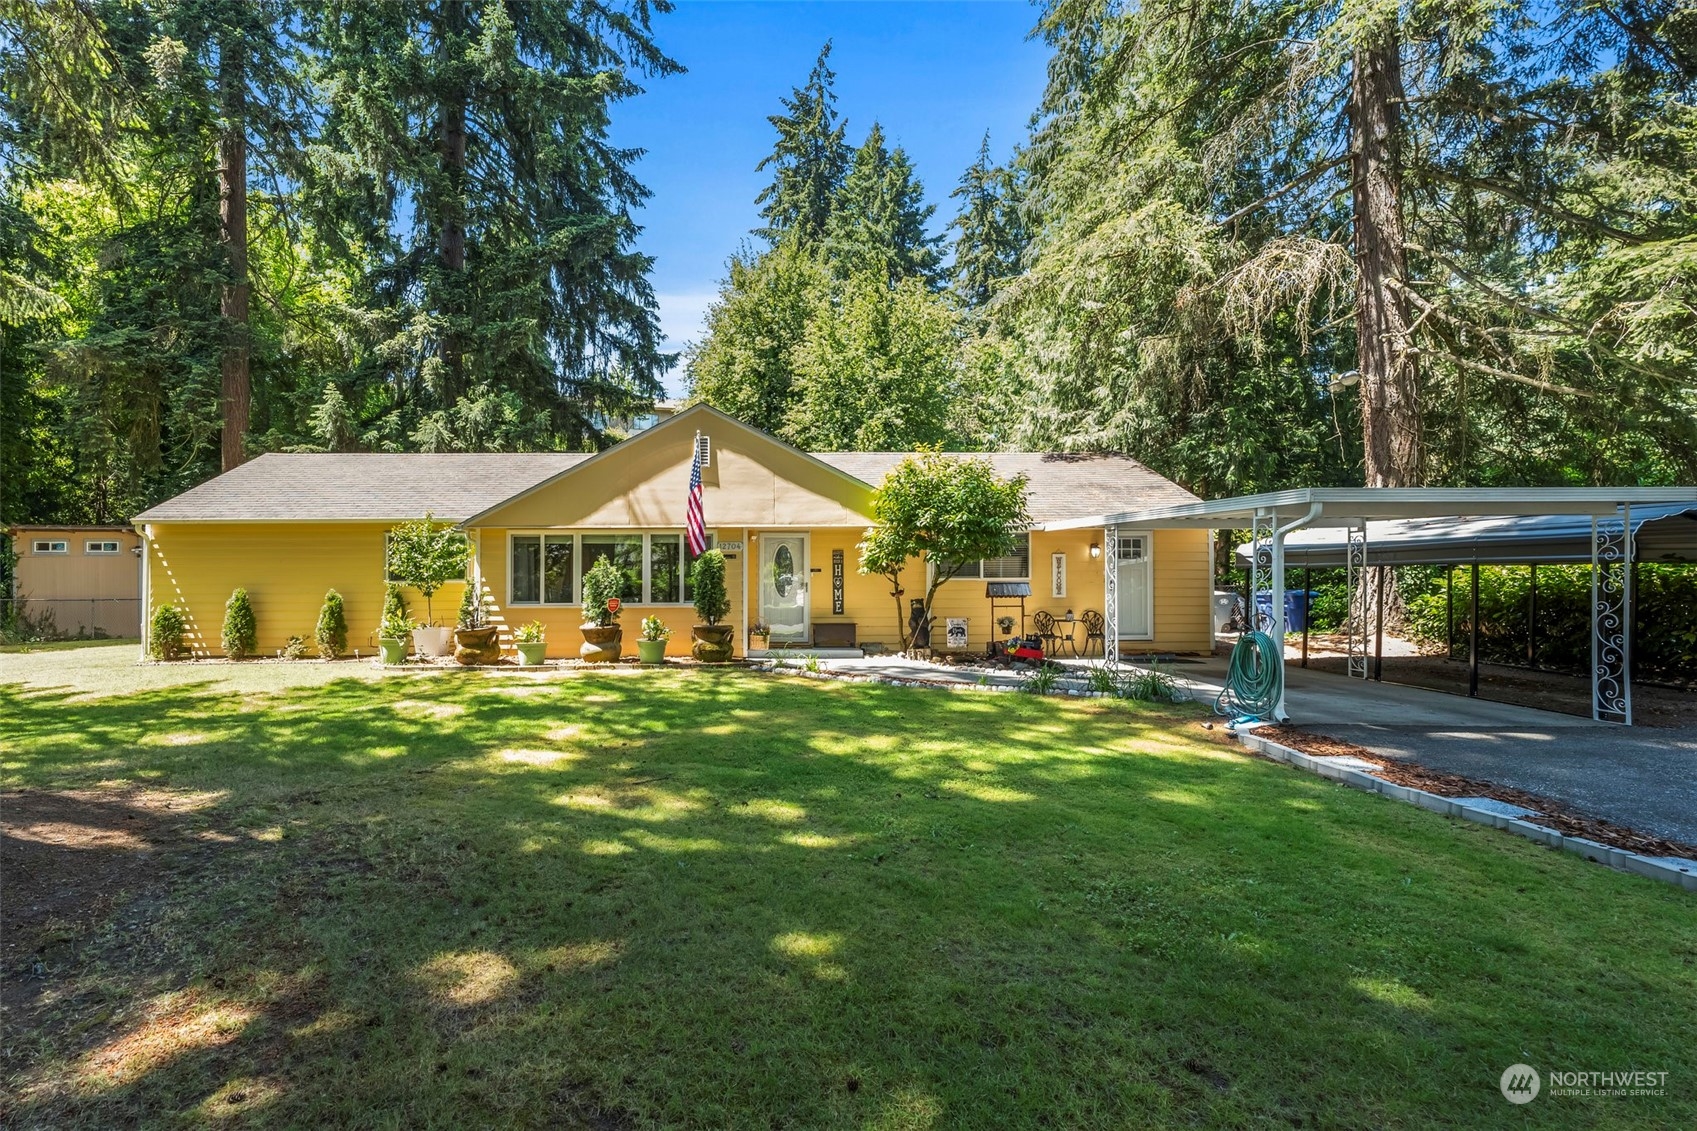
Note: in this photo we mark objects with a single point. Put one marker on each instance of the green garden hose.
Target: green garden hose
(1255, 680)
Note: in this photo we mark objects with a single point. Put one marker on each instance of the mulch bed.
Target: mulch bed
(1552, 814)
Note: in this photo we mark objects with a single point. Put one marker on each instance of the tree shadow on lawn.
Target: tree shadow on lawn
(715, 898)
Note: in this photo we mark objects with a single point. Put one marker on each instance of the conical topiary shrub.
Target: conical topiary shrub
(241, 632)
(332, 631)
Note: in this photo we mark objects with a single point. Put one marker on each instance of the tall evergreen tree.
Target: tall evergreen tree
(989, 235)
(878, 217)
(499, 212)
(808, 162)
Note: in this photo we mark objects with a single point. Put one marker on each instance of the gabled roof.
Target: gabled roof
(457, 487)
(1063, 485)
(356, 487)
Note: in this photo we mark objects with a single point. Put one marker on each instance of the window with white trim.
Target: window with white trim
(107, 546)
(1013, 567)
(547, 569)
(50, 546)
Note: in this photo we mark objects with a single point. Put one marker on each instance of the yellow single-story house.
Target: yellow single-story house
(288, 527)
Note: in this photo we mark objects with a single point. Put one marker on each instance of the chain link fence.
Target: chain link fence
(27, 619)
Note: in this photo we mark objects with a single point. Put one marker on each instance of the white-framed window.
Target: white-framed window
(547, 568)
(103, 546)
(50, 546)
(1014, 567)
(1133, 548)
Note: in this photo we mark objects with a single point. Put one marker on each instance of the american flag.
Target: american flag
(697, 524)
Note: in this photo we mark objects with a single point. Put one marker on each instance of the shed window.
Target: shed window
(50, 546)
(107, 547)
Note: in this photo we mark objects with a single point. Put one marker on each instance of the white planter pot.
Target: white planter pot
(433, 641)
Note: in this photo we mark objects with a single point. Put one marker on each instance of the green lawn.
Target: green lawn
(718, 899)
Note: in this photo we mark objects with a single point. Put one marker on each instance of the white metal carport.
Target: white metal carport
(1347, 511)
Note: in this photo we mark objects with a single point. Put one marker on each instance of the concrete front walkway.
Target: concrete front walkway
(1642, 777)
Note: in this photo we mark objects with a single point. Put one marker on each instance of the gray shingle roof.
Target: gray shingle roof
(330, 487)
(375, 487)
(1063, 485)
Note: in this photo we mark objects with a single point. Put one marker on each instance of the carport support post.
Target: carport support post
(1110, 598)
(1379, 630)
(1473, 635)
(1611, 613)
(1449, 612)
(1307, 588)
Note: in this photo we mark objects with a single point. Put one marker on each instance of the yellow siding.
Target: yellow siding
(286, 569)
(1180, 598)
(561, 622)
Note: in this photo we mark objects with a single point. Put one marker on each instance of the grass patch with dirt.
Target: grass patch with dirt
(299, 894)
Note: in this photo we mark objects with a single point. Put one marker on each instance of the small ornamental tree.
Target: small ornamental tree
(165, 635)
(331, 634)
(601, 588)
(426, 555)
(707, 583)
(241, 632)
(474, 612)
(948, 512)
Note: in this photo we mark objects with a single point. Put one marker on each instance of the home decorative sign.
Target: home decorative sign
(836, 583)
(1057, 575)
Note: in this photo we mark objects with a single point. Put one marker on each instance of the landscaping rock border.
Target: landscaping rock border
(1485, 811)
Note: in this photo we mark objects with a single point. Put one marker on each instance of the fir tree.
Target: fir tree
(808, 163)
(989, 236)
(468, 146)
(878, 217)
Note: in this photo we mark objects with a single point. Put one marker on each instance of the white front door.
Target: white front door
(783, 587)
(1136, 588)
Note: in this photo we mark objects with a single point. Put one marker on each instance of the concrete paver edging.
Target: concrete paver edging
(1667, 869)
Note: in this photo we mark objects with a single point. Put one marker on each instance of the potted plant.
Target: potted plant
(714, 642)
(475, 639)
(651, 644)
(533, 648)
(602, 636)
(759, 637)
(392, 636)
(426, 555)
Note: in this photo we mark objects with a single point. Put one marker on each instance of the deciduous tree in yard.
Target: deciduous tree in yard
(942, 512)
(426, 555)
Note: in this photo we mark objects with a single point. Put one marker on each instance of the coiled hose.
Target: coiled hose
(1255, 679)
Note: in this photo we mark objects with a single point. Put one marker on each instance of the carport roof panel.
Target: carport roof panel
(1663, 532)
(1345, 506)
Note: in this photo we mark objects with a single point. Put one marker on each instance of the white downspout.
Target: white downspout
(146, 582)
(1278, 584)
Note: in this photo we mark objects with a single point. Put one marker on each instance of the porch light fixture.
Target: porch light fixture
(1095, 549)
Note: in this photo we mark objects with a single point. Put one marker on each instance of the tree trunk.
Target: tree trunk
(236, 384)
(452, 211)
(1390, 385)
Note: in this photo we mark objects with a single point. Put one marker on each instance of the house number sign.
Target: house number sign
(836, 583)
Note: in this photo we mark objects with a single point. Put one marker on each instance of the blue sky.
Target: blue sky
(936, 74)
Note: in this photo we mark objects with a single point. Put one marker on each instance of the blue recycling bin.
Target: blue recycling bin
(1296, 607)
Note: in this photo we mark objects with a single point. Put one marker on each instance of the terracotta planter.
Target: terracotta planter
(532, 653)
(713, 642)
(477, 645)
(651, 651)
(432, 641)
(600, 645)
(394, 649)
